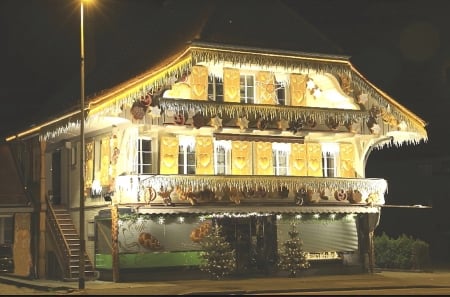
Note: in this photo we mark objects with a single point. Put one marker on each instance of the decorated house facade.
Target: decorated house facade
(248, 138)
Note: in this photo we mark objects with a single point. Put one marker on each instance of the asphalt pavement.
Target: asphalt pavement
(381, 279)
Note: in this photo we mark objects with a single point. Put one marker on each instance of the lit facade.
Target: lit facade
(252, 139)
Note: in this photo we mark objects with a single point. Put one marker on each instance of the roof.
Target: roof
(221, 29)
(13, 197)
(136, 43)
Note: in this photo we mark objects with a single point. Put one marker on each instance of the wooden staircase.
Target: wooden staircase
(68, 241)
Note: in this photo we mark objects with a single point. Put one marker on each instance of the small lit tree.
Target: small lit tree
(292, 258)
(218, 258)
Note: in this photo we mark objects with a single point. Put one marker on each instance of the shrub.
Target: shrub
(403, 252)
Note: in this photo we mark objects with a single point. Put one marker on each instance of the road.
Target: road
(408, 291)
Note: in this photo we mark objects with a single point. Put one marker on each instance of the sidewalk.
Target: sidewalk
(381, 279)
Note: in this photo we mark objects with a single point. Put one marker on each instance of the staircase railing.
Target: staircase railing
(62, 246)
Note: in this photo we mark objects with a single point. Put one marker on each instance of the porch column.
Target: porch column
(115, 242)
(42, 215)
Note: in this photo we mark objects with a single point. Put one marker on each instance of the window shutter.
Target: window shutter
(298, 89)
(347, 159)
(265, 90)
(241, 158)
(199, 83)
(314, 155)
(231, 85)
(169, 155)
(105, 157)
(264, 159)
(89, 173)
(204, 155)
(298, 160)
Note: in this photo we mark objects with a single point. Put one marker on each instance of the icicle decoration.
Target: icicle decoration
(267, 183)
(290, 61)
(154, 83)
(69, 128)
(269, 112)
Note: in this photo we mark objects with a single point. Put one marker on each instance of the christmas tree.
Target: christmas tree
(218, 258)
(292, 257)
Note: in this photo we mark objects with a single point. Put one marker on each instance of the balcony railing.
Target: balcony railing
(371, 190)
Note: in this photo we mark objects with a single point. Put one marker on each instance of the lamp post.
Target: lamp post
(81, 282)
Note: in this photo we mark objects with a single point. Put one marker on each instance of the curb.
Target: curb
(22, 282)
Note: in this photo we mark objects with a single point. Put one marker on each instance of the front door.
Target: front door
(56, 177)
(254, 239)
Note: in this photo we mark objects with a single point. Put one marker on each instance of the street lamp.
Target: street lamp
(81, 281)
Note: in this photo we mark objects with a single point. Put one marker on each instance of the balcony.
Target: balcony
(261, 190)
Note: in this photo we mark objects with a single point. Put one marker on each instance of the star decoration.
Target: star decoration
(402, 126)
(216, 122)
(362, 99)
(283, 124)
(155, 112)
(375, 129)
(262, 124)
(243, 123)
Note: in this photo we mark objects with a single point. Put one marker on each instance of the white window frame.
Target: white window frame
(330, 159)
(245, 85)
(139, 164)
(225, 146)
(281, 153)
(186, 147)
(281, 85)
(213, 93)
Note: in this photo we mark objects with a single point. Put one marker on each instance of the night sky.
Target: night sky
(402, 46)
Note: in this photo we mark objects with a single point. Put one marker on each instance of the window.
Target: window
(222, 156)
(6, 229)
(215, 89)
(247, 88)
(144, 156)
(280, 155)
(280, 89)
(186, 155)
(330, 152)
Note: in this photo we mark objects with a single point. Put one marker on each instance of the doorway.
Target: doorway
(56, 177)
(254, 239)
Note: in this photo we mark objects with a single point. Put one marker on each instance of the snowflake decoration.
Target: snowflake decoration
(402, 126)
(272, 87)
(310, 85)
(155, 112)
(375, 129)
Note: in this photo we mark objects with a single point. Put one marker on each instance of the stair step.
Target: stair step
(69, 232)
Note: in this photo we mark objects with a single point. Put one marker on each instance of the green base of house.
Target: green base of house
(149, 260)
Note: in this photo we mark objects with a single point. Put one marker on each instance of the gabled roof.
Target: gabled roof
(225, 29)
(133, 45)
(13, 197)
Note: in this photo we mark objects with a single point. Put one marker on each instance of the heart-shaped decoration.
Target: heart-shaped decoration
(346, 165)
(314, 164)
(232, 92)
(264, 162)
(198, 89)
(299, 164)
(240, 162)
(168, 160)
(204, 159)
